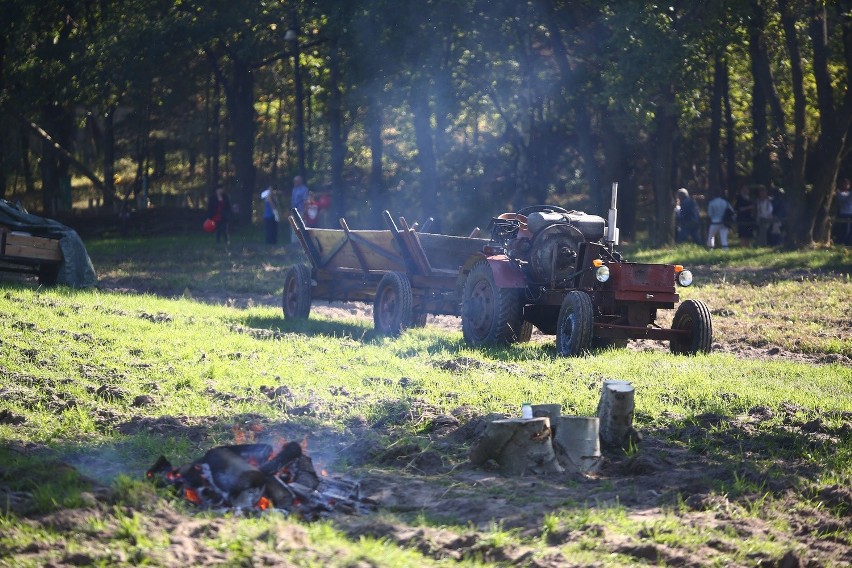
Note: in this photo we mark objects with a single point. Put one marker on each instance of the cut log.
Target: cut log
(576, 443)
(615, 410)
(520, 447)
(552, 411)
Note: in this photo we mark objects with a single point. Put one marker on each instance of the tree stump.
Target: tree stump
(615, 410)
(520, 447)
(552, 411)
(576, 443)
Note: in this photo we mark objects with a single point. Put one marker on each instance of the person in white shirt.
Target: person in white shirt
(763, 207)
(716, 217)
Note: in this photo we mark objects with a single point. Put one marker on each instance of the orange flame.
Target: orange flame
(263, 503)
(239, 435)
(191, 495)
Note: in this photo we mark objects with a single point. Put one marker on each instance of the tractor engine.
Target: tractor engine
(555, 243)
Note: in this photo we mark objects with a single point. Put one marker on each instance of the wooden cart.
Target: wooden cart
(26, 253)
(404, 273)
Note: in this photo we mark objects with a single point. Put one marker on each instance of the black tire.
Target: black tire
(48, 274)
(392, 306)
(296, 299)
(574, 326)
(694, 316)
(490, 315)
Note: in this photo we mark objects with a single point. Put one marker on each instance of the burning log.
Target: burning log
(253, 477)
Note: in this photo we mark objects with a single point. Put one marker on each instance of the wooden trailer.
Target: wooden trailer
(404, 273)
(29, 254)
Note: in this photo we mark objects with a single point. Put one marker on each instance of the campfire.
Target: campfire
(256, 477)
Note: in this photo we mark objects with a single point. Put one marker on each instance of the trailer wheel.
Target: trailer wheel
(574, 327)
(490, 314)
(392, 305)
(694, 316)
(296, 301)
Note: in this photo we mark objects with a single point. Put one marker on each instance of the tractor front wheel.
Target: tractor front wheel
(692, 316)
(574, 327)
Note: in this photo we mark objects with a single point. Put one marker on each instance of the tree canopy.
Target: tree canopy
(451, 109)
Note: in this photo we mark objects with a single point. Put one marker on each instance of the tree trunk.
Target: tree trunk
(338, 144)
(714, 162)
(834, 123)
(762, 167)
(422, 115)
(26, 165)
(58, 128)
(240, 101)
(214, 129)
(617, 151)
(730, 133)
(796, 191)
(109, 158)
(662, 144)
(377, 189)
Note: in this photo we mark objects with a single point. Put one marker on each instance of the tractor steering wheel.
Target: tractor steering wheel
(536, 208)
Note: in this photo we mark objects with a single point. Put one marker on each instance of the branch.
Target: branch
(80, 166)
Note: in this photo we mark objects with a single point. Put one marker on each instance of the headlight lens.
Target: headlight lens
(684, 278)
(602, 273)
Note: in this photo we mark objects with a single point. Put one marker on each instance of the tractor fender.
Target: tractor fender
(507, 274)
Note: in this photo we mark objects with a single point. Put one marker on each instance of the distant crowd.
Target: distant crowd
(758, 215)
(309, 206)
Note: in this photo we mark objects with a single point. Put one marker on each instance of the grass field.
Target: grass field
(746, 457)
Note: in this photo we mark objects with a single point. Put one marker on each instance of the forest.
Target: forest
(451, 109)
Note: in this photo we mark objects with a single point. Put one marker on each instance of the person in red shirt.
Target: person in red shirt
(219, 210)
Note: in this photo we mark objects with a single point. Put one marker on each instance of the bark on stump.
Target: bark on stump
(520, 447)
(615, 410)
(577, 444)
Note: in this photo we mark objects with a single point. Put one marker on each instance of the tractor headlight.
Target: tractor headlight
(684, 278)
(602, 273)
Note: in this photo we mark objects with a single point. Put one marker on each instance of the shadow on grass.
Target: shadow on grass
(364, 332)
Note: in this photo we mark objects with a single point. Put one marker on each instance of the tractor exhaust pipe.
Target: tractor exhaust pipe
(612, 227)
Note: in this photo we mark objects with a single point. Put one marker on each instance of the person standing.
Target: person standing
(744, 208)
(763, 207)
(716, 213)
(688, 218)
(219, 210)
(270, 215)
(844, 212)
(298, 201)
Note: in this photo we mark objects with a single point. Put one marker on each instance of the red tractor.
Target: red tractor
(559, 271)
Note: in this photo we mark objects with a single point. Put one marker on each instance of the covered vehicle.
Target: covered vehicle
(45, 247)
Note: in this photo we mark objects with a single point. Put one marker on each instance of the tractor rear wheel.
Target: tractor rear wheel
(490, 314)
(692, 316)
(296, 300)
(574, 326)
(392, 305)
